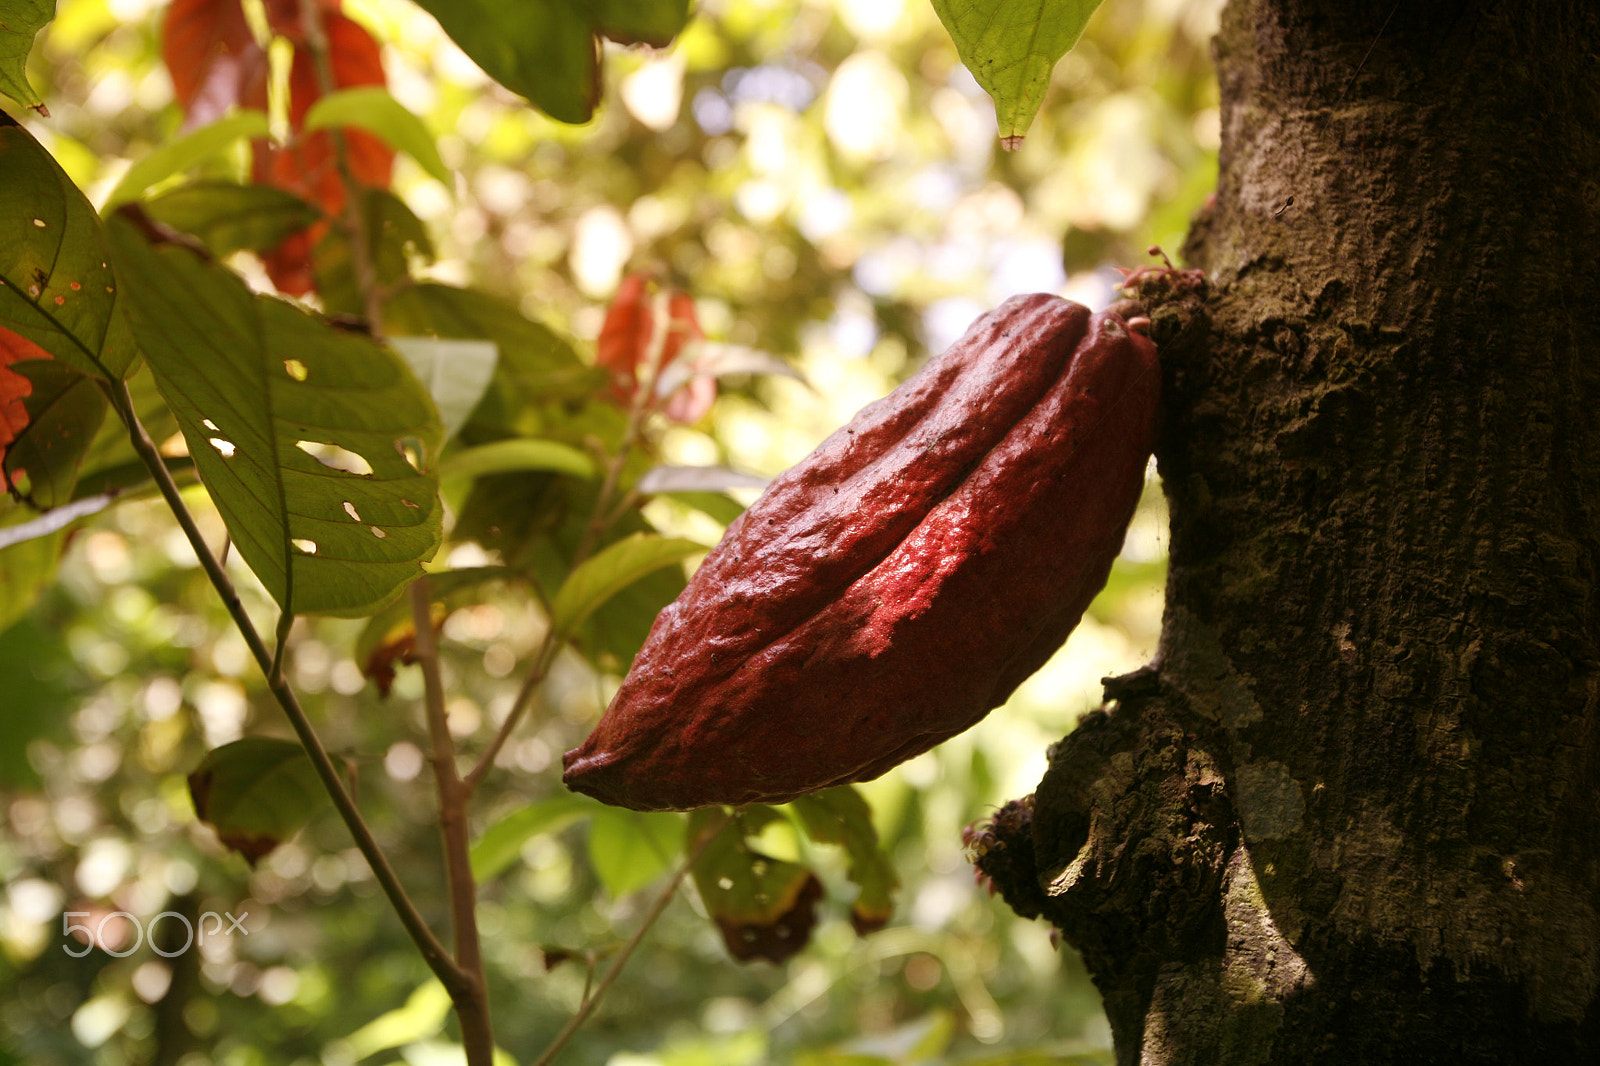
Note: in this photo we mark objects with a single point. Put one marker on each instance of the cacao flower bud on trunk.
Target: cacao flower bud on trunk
(896, 585)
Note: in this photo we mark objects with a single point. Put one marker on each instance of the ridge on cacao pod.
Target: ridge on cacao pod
(901, 581)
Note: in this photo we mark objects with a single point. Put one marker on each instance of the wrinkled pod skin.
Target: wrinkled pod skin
(895, 586)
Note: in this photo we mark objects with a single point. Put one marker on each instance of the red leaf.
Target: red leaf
(309, 166)
(629, 332)
(214, 59)
(287, 17)
(14, 388)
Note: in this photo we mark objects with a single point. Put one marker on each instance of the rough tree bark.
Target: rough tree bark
(1352, 812)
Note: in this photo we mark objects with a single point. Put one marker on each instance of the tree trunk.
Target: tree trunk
(1352, 813)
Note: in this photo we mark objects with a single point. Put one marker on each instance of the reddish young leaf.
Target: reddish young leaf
(214, 59)
(14, 388)
(629, 338)
(287, 17)
(309, 166)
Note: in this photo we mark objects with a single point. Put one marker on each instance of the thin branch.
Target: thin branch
(540, 670)
(56, 519)
(433, 952)
(657, 905)
(472, 1004)
(470, 994)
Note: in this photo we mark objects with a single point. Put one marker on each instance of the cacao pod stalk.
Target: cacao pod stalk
(900, 582)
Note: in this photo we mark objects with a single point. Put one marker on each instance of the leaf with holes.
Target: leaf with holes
(256, 793)
(56, 287)
(765, 908)
(1011, 46)
(20, 20)
(316, 445)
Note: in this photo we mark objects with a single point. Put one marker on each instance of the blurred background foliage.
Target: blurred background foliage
(823, 177)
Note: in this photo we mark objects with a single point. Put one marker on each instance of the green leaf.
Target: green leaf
(1011, 46)
(541, 49)
(629, 849)
(188, 150)
(20, 20)
(652, 22)
(422, 1016)
(502, 843)
(619, 565)
(455, 372)
(304, 436)
(537, 366)
(504, 456)
(841, 816)
(764, 907)
(256, 793)
(56, 287)
(227, 217)
(65, 410)
(373, 109)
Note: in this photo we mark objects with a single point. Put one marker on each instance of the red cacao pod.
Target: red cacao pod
(896, 585)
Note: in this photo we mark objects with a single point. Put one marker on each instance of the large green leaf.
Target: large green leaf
(304, 436)
(597, 579)
(175, 157)
(19, 21)
(1011, 46)
(56, 285)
